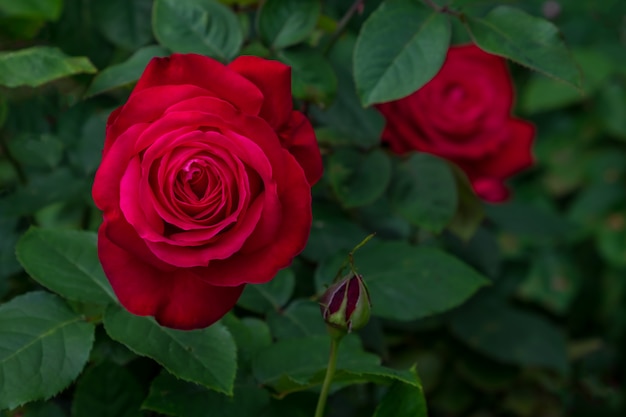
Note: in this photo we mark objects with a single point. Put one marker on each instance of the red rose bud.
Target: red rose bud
(346, 305)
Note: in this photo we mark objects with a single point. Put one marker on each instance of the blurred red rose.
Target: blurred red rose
(464, 115)
(205, 184)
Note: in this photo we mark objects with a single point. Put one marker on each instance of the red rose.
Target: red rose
(464, 114)
(205, 184)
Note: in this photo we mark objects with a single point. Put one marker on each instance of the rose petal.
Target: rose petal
(206, 73)
(273, 78)
(178, 298)
(514, 154)
(147, 106)
(261, 266)
(490, 189)
(299, 139)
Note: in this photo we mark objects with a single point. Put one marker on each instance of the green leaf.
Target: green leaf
(38, 65)
(408, 283)
(469, 212)
(43, 347)
(44, 151)
(358, 178)
(528, 221)
(43, 409)
(66, 262)
(510, 335)
(125, 73)
(331, 232)
(346, 121)
(107, 390)
(553, 281)
(416, 40)
(125, 23)
(282, 23)
(85, 153)
(292, 365)
(300, 319)
(35, 9)
(593, 202)
(382, 220)
(206, 356)
(312, 77)
(8, 262)
(424, 192)
(263, 298)
(530, 41)
(199, 26)
(612, 107)
(544, 94)
(611, 239)
(402, 400)
(251, 335)
(41, 191)
(172, 396)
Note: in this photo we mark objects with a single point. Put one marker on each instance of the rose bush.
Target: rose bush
(204, 186)
(464, 115)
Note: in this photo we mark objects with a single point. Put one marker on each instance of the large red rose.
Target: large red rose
(205, 184)
(464, 115)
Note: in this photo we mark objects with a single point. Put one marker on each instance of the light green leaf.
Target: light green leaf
(66, 262)
(530, 41)
(282, 23)
(207, 356)
(125, 73)
(358, 178)
(199, 26)
(416, 41)
(107, 390)
(424, 192)
(38, 65)
(263, 298)
(34, 9)
(43, 347)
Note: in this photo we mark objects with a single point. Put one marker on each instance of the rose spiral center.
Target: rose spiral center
(195, 179)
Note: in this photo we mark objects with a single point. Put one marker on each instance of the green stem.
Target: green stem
(328, 379)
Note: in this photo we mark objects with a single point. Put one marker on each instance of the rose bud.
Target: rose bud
(346, 305)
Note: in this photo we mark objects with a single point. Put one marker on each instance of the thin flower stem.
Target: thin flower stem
(328, 379)
(342, 24)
